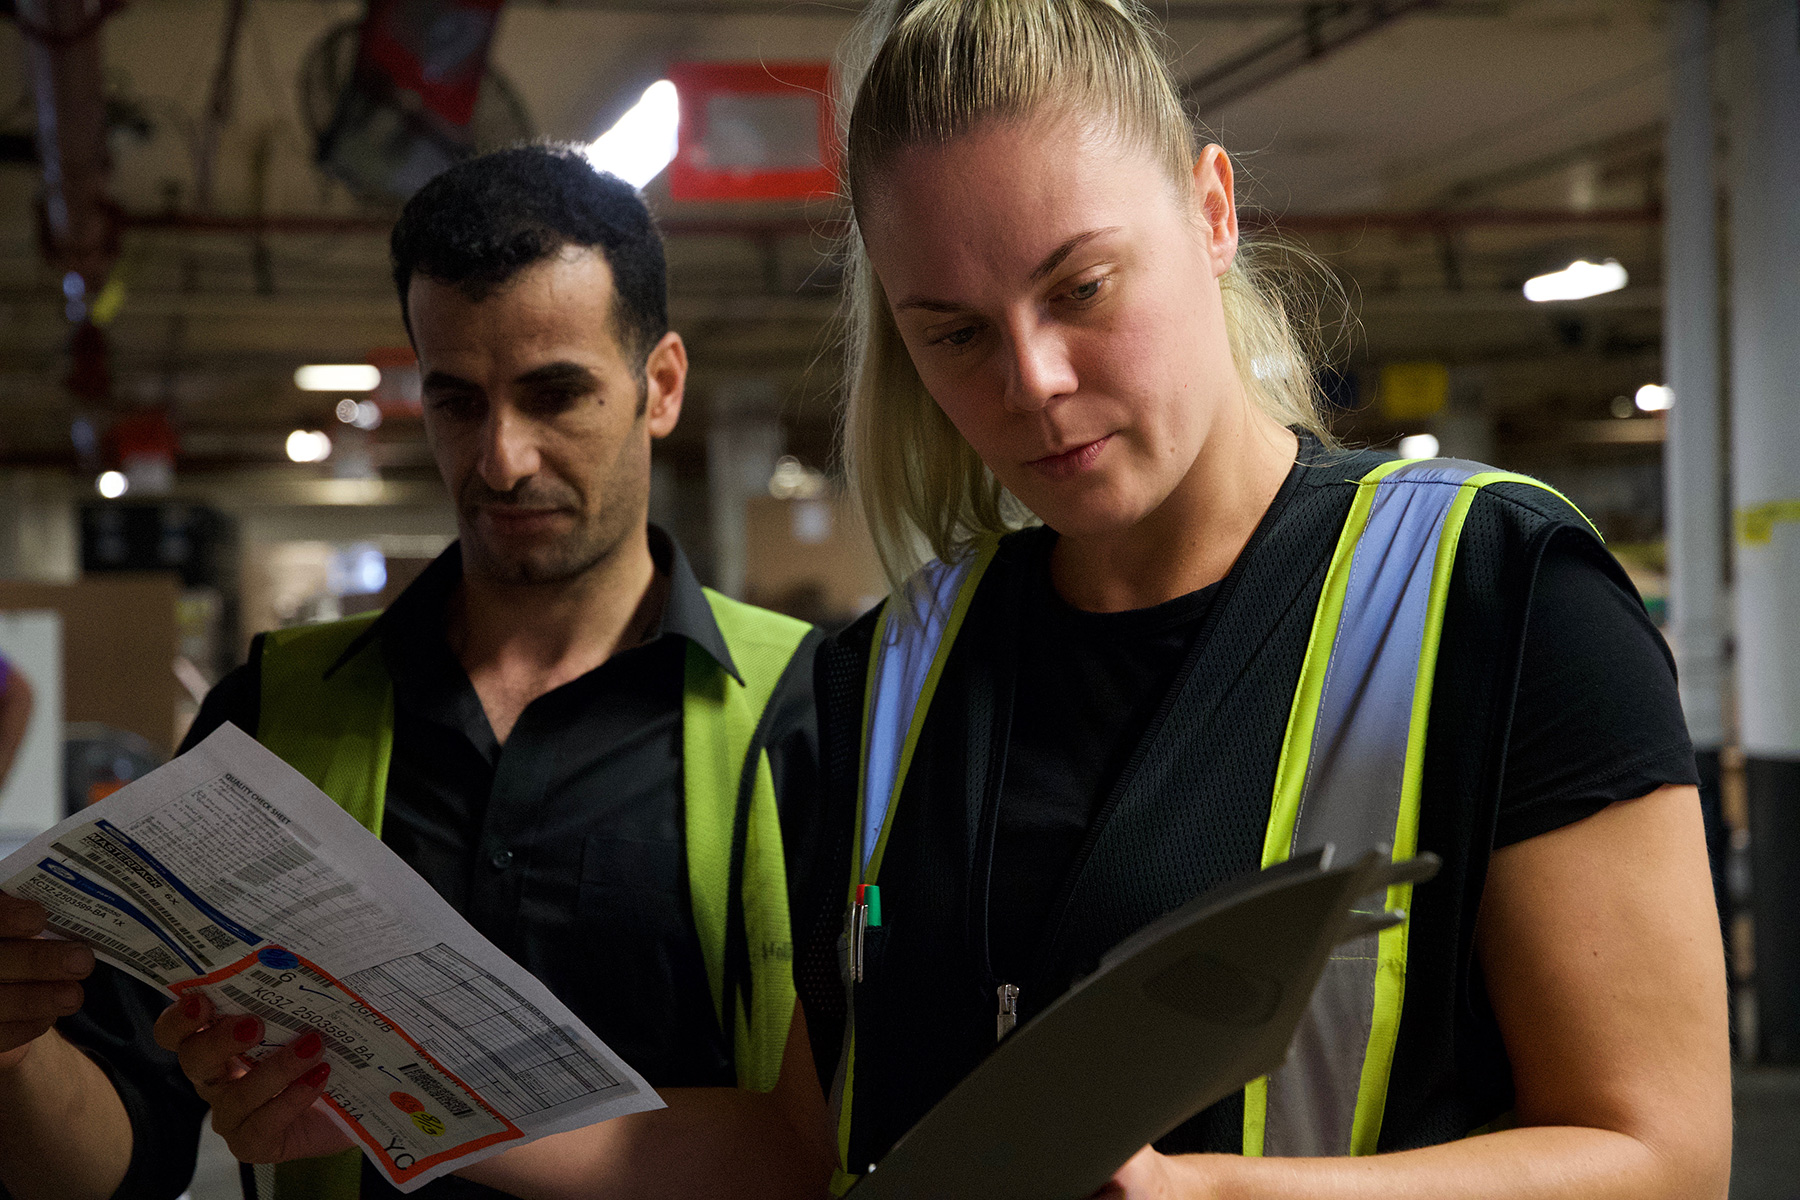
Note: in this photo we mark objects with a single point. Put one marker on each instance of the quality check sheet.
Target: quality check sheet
(226, 872)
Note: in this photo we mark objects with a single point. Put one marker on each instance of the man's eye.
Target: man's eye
(452, 405)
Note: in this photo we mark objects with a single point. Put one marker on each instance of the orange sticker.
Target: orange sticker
(406, 1103)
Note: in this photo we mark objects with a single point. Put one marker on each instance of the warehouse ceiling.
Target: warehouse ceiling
(1431, 156)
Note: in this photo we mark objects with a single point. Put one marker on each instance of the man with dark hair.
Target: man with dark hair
(519, 726)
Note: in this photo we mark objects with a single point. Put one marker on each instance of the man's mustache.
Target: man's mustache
(531, 494)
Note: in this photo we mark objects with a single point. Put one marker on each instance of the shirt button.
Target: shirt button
(502, 859)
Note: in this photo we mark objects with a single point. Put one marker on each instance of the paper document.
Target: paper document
(228, 873)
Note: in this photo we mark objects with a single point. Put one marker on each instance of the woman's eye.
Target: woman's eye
(959, 337)
(1085, 291)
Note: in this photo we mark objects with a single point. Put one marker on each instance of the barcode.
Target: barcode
(274, 1016)
(428, 1083)
(155, 956)
(278, 863)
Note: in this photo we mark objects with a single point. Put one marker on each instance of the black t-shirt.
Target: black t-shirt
(1576, 708)
(1597, 679)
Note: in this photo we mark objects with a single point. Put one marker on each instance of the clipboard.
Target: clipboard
(1176, 1017)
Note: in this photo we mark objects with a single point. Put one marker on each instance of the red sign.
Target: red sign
(754, 131)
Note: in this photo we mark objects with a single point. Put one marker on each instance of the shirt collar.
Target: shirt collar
(686, 612)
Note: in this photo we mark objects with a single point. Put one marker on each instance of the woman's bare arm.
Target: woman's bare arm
(1600, 947)
(718, 1142)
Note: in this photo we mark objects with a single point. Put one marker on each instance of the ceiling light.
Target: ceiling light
(1654, 397)
(337, 377)
(1419, 445)
(1577, 281)
(364, 414)
(642, 142)
(308, 446)
(111, 484)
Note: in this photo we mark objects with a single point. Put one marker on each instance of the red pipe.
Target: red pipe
(1399, 222)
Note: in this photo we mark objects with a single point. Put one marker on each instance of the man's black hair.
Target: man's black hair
(486, 219)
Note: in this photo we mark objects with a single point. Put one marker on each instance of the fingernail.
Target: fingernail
(192, 1008)
(248, 1029)
(78, 960)
(307, 1045)
(316, 1076)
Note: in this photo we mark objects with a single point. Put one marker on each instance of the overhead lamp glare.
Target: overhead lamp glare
(1419, 445)
(643, 141)
(1577, 281)
(308, 446)
(1654, 397)
(337, 377)
(111, 484)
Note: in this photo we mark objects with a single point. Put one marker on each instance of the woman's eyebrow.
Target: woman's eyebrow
(1051, 261)
(1055, 258)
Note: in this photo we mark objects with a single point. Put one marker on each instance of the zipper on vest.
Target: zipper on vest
(1008, 1015)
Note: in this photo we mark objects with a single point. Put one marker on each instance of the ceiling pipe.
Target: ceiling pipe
(218, 106)
(1344, 222)
(1322, 30)
(63, 65)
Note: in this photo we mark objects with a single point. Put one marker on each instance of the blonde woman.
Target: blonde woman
(1219, 641)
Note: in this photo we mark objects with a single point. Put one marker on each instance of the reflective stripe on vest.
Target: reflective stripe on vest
(1349, 774)
(338, 732)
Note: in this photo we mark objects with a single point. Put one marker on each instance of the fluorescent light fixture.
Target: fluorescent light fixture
(308, 446)
(1654, 397)
(1419, 445)
(337, 377)
(1577, 281)
(111, 484)
(642, 142)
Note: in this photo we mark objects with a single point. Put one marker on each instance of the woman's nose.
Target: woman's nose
(1040, 369)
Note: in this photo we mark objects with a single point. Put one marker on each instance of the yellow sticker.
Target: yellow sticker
(428, 1123)
(1756, 525)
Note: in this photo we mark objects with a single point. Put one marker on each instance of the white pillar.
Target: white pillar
(1765, 449)
(1692, 457)
(742, 443)
(39, 538)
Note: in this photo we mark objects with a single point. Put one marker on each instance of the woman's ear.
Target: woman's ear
(1215, 207)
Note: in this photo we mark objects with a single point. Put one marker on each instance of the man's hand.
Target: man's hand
(39, 978)
(264, 1110)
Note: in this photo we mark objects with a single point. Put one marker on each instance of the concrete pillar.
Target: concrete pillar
(1693, 461)
(1765, 449)
(742, 444)
(39, 538)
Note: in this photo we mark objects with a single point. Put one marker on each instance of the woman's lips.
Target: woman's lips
(1071, 462)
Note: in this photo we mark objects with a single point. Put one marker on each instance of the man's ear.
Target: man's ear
(665, 381)
(1215, 207)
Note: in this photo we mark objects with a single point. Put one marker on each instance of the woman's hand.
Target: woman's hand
(264, 1110)
(1148, 1175)
(39, 979)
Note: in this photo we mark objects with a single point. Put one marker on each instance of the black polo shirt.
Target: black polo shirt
(564, 846)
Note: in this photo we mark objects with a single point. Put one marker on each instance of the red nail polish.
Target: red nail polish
(248, 1029)
(307, 1045)
(316, 1076)
(192, 1007)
